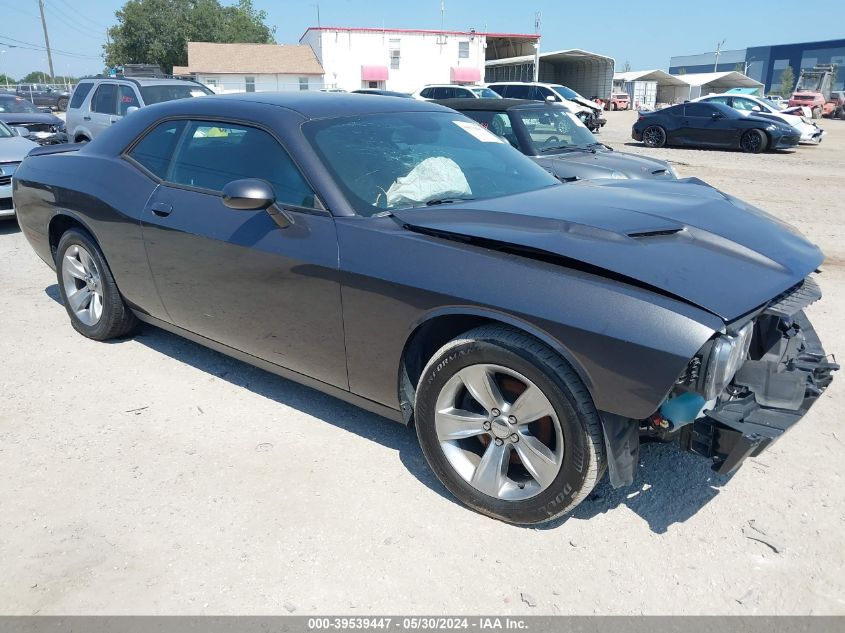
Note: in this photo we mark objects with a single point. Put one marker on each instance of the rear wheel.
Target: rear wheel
(817, 113)
(654, 136)
(753, 142)
(62, 104)
(88, 290)
(508, 427)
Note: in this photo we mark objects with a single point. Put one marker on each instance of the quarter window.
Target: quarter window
(105, 99)
(155, 150)
(698, 110)
(79, 94)
(214, 154)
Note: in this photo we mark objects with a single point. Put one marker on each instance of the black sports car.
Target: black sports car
(44, 128)
(557, 140)
(396, 254)
(699, 124)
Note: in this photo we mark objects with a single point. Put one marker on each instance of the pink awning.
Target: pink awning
(374, 73)
(465, 74)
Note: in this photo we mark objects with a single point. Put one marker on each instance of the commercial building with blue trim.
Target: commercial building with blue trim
(767, 63)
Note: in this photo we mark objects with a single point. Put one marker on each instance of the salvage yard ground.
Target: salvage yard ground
(154, 476)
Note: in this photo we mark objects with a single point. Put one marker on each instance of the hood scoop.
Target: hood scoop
(656, 233)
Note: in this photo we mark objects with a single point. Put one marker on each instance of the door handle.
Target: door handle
(162, 209)
(86, 118)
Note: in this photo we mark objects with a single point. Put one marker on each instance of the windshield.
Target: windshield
(566, 93)
(410, 159)
(5, 131)
(555, 130)
(170, 92)
(17, 105)
(485, 93)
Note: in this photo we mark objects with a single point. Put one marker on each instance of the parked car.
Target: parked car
(99, 103)
(620, 101)
(42, 127)
(712, 125)
(13, 149)
(810, 132)
(383, 93)
(332, 90)
(589, 112)
(557, 140)
(450, 91)
(44, 95)
(396, 254)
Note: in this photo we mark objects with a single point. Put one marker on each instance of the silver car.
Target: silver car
(13, 149)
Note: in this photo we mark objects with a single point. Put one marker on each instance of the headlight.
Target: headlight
(726, 357)
(618, 175)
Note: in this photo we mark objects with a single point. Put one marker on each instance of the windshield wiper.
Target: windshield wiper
(569, 148)
(436, 201)
(598, 144)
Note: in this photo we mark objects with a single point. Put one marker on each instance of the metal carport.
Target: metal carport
(701, 84)
(647, 88)
(588, 74)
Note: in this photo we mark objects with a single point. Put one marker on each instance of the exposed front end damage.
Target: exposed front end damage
(728, 410)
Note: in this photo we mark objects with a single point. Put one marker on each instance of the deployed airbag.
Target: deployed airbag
(432, 179)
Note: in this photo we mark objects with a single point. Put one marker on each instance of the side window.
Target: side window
(519, 92)
(79, 94)
(214, 154)
(502, 91)
(125, 99)
(105, 99)
(463, 93)
(156, 148)
(722, 100)
(541, 93)
(699, 110)
(746, 105)
(426, 93)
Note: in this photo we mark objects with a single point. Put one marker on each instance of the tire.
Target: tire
(564, 449)
(95, 307)
(654, 136)
(82, 139)
(613, 106)
(817, 113)
(61, 104)
(753, 142)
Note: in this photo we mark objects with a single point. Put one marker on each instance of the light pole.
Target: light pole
(718, 52)
(5, 76)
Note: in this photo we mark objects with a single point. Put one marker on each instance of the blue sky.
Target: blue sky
(644, 33)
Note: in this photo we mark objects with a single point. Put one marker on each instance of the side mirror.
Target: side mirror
(131, 109)
(756, 109)
(21, 131)
(249, 194)
(551, 99)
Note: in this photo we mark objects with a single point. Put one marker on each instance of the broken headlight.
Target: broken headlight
(727, 353)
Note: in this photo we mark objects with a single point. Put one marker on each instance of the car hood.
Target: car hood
(26, 118)
(681, 238)
(601, 164)
(15, 149)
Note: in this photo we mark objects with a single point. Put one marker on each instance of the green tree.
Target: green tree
(5, 80)
(682, 71)
(36, 77)
(158, 31)
(627, 67)
(739, 67)
(787, 82)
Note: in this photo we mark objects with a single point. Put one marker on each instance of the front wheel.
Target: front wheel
(88, 290)
(508, 427)
(753, 142)
(654, 136)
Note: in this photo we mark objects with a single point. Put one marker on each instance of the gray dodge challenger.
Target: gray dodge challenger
(399, 256)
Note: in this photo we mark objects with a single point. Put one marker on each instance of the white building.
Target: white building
(407, 59)
(252, 67)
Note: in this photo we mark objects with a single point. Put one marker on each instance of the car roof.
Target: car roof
(143, 81)
(317, 105)
(467, 86)
(496, 105)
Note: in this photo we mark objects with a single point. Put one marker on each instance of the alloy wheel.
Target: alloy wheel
(82, 284)
(499, 431)
(751, 143)
(653, 136)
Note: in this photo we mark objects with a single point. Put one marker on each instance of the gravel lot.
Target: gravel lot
(154, 476)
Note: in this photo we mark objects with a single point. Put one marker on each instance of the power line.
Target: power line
(36, 47)
(76, 12)
(73, 23)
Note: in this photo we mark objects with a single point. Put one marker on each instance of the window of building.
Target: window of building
(463, 50)
(249, 84)
(395, 55)
(303, 83)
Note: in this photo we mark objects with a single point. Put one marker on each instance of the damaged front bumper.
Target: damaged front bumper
(772, 394)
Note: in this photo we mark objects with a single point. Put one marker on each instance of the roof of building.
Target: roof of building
(352, 29)
(659, 76)
(259, 59)
(567, 55)
(733, 77)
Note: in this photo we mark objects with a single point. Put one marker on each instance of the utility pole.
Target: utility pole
(537, 17)
(46, 38)
(718, 52)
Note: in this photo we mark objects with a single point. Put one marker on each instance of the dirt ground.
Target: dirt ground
(154, 476)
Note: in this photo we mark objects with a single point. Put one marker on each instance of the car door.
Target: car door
(699, 126)
(103, 108)
(261, 281)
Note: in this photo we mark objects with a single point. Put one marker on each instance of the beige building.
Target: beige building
(252, 67)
